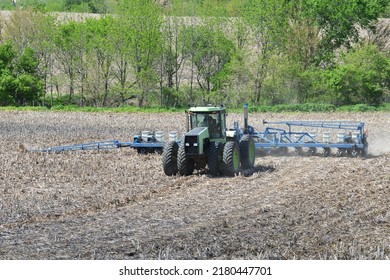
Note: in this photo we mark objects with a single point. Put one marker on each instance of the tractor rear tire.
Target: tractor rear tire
(247, 152)
(231, 158)
(184, 165)
(170, 158)
(221, 165)
(214, 161)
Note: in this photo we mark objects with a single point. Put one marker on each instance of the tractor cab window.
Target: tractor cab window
(212, 120)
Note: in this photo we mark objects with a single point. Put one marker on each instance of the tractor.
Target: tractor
(208, 142)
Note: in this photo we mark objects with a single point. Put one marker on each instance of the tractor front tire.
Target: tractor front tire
(170, 158)
(247, 152)
(231, 158)
(184, 165)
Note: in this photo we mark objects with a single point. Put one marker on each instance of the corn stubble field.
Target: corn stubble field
(118, 204)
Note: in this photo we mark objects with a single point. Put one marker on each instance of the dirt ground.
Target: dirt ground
(118, 204)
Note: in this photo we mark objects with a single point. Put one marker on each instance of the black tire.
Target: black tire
(231, 158)
(221, 165)
(354, 152)
(341, 152)
(283, 151)
(364, 151)
(326, 152)
(142, 151)
(170, 158)
(214, 159)
(185, 166)
(247, 152)
(312, 151)
(299, 151)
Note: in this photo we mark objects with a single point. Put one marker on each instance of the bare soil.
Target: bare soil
(118, 204)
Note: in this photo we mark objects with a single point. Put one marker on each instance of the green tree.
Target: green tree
(70, 53)
(121, 71)
(142, 21)
(211, 51)
(7, 55)
(338, 22)
(35, 29)
(269, 23)
(239, 28)
(363, 76)
(28, 83)
(280, 84)
(173, 55)
(43, 44)
(100, 58)
(317, 29)
(20, 28)
(20, 82)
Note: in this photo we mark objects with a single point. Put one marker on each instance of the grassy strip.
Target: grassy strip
(124, 109)
(75, 108)
(23, 108)
(309, 107)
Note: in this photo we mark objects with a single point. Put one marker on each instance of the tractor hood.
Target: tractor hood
(198, 131)
(195, 141)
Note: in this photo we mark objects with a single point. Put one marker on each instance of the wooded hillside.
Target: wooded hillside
(172, 53)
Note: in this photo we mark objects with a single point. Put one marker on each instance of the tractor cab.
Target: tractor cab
(213, 118)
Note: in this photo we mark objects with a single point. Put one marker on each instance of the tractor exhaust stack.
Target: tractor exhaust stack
(246, 118)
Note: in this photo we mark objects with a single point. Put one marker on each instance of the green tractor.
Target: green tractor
(208, 143)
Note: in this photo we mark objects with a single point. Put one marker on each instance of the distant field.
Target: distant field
(120, 205)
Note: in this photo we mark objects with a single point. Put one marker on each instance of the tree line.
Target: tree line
(173, 53)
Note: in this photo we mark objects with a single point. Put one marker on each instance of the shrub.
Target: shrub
(20, 83)
(361, 77)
